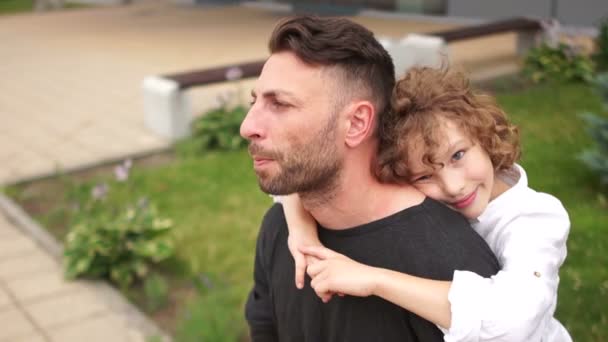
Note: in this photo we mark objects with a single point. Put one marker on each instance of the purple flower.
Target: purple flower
(122, 171)
(234, 74)
(99, 191)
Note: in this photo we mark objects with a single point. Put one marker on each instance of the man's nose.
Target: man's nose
(250, 127)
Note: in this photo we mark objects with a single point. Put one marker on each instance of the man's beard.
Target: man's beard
(311, 166)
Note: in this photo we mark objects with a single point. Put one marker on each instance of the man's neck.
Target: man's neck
(359, 198)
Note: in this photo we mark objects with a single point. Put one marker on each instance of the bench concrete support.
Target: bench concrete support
(167, 108)
(416, 50)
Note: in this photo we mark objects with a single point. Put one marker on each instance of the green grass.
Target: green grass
(16, 6)
(21, 6)
(552, 137)
(216, 206)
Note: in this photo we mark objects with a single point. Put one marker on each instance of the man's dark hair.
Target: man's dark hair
(340, 43)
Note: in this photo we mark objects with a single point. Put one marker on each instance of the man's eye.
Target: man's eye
(458, 155)
(278, 104)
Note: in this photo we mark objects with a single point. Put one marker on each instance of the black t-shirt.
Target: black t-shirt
(428, 240)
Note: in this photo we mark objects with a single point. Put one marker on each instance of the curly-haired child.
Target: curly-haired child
(458, 147)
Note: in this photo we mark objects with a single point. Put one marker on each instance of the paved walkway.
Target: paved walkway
(70, 97)
(37, 304)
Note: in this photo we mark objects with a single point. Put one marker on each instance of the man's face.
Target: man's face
(292, 127)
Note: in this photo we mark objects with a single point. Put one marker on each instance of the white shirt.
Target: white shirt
(527, 231)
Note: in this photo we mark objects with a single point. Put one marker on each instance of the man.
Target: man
(312, 131)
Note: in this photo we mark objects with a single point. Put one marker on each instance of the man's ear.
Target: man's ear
(360, 122)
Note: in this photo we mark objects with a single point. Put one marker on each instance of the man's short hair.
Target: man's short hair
(337, 42)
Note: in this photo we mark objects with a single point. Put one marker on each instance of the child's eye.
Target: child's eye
(422, 178)
(458, 155)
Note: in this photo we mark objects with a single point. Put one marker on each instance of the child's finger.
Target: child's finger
(316, 268)
(318, 252)
(300, 262)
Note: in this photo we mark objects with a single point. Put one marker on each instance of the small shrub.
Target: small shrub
(596, 158)
(562, 63)
(601, 42)
(156, 290)
(115, 244)
(220, 129)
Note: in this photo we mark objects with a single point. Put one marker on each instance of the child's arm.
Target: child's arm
(514, 305)
(518, 303)
(302, 232)
(336, 273)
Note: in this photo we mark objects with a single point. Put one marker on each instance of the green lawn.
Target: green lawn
(21, 6)
(15, 6)
(216, 205)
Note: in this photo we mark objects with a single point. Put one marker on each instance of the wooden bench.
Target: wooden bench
(168, 110)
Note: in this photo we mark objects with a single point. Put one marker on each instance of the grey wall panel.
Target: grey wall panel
(499, 9)
(581, 12)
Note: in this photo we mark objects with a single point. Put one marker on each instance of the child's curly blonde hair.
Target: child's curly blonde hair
(423, 100)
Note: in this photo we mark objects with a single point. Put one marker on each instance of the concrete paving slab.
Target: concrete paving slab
(47, 313)
(5, 299)
(96, 329)
(16, 245)
(42, 285)
(14, 325)
(33, 262)
(35, 337)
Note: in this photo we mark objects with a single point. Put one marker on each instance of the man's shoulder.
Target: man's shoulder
(442, 240)
(273, 223)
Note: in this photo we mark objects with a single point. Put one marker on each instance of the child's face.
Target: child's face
(466, 179)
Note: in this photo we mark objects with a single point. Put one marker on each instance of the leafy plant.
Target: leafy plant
(561, 63)
(219, 129)
(119, 245)
(108, 239)
(601, 42)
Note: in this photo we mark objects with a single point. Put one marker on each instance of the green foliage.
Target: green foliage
(596, 158)
(601, 42)
(156, 290)
(216, 130)
(563, 63)
(106, 242)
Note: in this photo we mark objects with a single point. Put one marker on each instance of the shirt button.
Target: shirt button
(537, 274)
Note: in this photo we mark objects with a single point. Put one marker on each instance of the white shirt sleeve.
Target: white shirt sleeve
(517, 303)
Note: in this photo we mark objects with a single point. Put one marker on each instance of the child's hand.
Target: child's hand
(295, 242)
(302, 232)
(336, 273)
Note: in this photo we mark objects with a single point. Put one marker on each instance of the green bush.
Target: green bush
(118, 244)
(601, 42)
(562, 63)
(218, 129)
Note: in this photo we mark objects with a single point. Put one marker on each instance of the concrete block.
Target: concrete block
(418, 50)
(167, 109)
